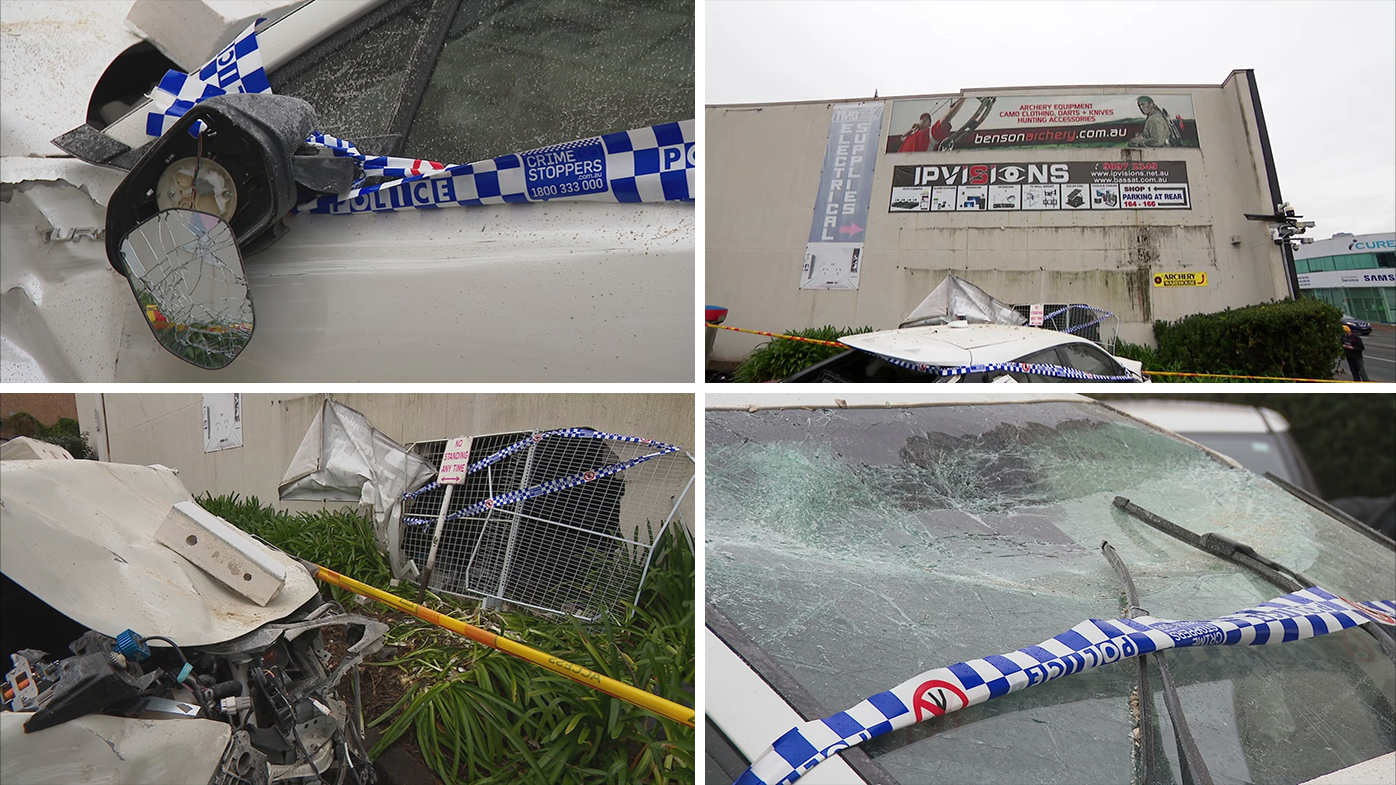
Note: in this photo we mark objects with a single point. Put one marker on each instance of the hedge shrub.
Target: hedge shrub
(1295, 339)
(780, 357)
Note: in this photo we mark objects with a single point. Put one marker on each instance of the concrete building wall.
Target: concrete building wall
(168, 428)
(763, 171)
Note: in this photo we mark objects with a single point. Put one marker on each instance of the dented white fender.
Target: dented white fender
(101, 749)
(80, 535)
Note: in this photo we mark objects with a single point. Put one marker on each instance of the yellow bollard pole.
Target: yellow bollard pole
(616, 689)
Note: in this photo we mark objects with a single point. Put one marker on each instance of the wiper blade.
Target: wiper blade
(1194, 768)
(1246, 556)
(1088, 645)
(1225, 547)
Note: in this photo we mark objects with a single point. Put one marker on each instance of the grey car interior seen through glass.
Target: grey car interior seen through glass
(860, 547)
(459, 81)
(522, 75)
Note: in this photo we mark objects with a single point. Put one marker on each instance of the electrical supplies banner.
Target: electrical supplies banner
(834, 253)
(1074, 185)
(998, 122)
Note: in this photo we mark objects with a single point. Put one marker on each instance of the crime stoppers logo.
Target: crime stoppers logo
(489, 504)
(588, 475)
(537, 437)
(934, 696)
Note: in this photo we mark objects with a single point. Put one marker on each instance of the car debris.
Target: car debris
(168, 641)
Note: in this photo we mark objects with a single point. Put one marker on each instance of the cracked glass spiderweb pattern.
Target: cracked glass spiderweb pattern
(187, 276)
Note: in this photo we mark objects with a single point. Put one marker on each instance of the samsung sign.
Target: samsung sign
(1347, 279)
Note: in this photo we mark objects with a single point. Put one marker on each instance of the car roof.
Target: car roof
(1203, 416)
(948, 345)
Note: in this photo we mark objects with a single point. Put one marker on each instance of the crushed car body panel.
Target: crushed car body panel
(80, 535)
(102, 749)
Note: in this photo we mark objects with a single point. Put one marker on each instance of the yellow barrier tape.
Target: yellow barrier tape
(776, 335)
(1149, 373)
(1228, 376)
(616, 689)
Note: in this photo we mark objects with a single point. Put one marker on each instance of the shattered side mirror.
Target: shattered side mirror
(187, 277)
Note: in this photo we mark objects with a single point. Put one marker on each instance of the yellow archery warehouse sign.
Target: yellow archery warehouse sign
(1180, 279)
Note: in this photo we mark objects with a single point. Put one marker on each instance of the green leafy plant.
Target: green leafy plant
(780, 357)
(481, 716)
(1293, 339)
(65, 433)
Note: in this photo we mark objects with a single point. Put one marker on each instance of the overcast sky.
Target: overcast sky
(1326, 70)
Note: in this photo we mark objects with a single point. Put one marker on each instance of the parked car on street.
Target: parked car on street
(963, 352)
(855, 542)
(543, 288)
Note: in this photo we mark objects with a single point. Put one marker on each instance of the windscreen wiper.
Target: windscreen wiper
(1246, 556)
(1194, 768)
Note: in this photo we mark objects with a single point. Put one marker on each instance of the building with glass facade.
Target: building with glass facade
(1357, 273)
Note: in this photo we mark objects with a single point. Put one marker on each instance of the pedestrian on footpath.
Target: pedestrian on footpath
(1353, 348)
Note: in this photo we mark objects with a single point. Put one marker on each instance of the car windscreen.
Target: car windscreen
(859, 547)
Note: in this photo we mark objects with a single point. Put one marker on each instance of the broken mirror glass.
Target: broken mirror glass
(187, 276)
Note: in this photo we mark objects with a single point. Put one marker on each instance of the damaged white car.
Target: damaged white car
(151, 641)
(347, 190)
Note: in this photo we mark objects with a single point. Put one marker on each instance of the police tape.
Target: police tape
(551, 486)
(1092, 643)
(1038, 369)
(576, 433)
(653, 164)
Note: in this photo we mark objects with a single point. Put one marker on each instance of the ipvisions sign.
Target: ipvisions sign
(1067, 185)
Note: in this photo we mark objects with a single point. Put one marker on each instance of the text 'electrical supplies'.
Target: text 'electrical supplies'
(1304, 614)
(653, 164)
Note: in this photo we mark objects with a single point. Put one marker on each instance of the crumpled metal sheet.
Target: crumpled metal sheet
(101, 749)
(80, 535)
(955, 298)
(345, 459)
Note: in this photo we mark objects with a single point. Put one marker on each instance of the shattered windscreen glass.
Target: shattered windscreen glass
(859, 547)
(539, 72)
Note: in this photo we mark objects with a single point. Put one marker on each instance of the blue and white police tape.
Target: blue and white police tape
(1090, 644)
(236, 69)
(653, 164)
(1038, 369)
(551, 486)
(575, 433)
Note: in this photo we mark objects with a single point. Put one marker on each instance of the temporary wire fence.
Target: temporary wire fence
(1084, 321)
(563, 521)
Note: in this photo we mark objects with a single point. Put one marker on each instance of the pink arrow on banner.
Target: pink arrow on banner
(850, 229)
